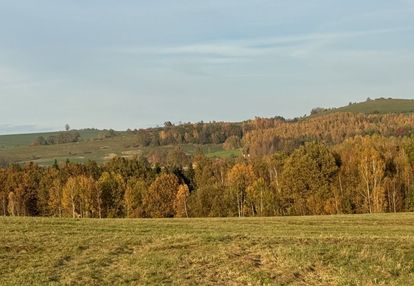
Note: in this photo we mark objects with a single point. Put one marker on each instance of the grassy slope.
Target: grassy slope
(97, 150)
(378, 106)
(17, 148)
(94, 150)
(329, 250)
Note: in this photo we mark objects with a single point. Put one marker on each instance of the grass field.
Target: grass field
(328, 250)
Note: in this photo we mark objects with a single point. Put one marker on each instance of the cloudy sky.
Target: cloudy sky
(135, 63)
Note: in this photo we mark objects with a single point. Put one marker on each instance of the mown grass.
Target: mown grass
(330, 250)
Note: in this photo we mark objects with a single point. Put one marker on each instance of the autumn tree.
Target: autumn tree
(11, 206)
(177, 158)
(240, 177)
(134, 193)
(210, 197)
(56, 198)
(70, 197)
(159, 200)
(87, 190)
(372, 167)
(46, 190)
(257, 195)
(3, 192)
(307, 178)
(232, 143)
(110, 195)
(180, 202)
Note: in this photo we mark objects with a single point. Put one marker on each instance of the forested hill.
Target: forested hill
(255, 137)
(263, 136)
(384, 116)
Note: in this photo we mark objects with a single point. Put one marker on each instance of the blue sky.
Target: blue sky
(131, 64)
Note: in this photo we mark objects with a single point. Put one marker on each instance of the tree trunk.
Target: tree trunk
(369, 197)
(393, 198)
(341, 194)
(238, 204)
(261, 202)
(4, 205)
(185, 208)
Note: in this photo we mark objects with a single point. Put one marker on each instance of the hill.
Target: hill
(387, 117)
(376, 106)
(381, 106)
(93, 145)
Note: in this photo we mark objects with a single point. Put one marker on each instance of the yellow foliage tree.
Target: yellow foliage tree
(371, 167)
(70, 196)
(159, 200)
(180, 202)
(134, 193)
(240, 177)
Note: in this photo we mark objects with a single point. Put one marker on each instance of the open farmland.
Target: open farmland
(18, 148)
(328, 250)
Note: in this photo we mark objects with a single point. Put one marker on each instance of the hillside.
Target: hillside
(388, 117)
(376, 106)
(92, 145)
(381, 106)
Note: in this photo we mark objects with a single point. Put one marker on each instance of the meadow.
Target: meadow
(316, 250)
(18, 148)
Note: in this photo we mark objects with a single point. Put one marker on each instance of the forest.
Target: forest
(339, 163)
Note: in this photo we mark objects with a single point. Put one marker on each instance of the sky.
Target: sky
(135, 63)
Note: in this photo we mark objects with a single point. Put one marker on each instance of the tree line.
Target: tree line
(60, 138)
(264, 136)
(362, 174)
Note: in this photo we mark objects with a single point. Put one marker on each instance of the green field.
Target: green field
(328, 250)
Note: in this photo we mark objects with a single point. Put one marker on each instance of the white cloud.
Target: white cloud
(296, 46)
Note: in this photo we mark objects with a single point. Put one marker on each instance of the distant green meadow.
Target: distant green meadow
(18, 148)
(327, 250)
